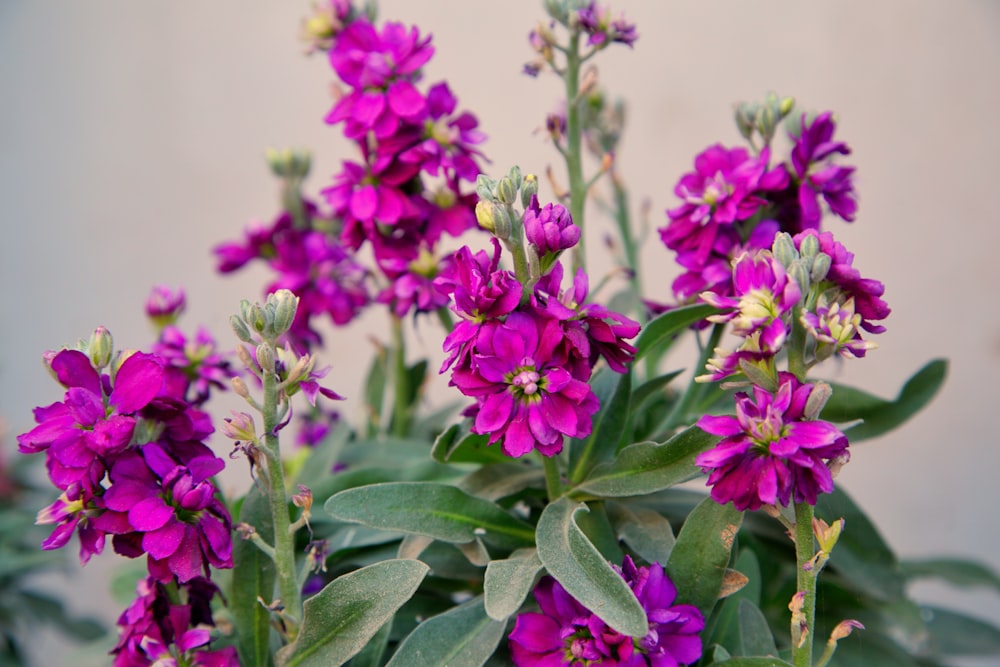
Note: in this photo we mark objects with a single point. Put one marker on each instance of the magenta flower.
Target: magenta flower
(527, 398)
(193, 367)
(836, 329)
(602, 29)
(447, 145)
(866, 293)
(168, 510)
(770, 453)
(817, 176)
(564, 633)
(164, 305)
(549, 229)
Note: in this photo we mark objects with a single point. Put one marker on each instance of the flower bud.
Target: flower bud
(844, 628)
(809, 245)
(506, 191)
(528, 189)
(164, 306)
(820, 267)
(240, 329)
(484, 215)
(265, 357)
(100, 348)
(786, 106)
(244, 354)
(285, 303)
(240, 387)
(744, 115)
(239, 427)
(827, 535)
(818, 397)
(254, 317)
(800, 274)
(784, 250)
(485, 187)
(502, 227)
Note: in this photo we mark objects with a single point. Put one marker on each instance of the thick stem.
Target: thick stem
(805, 549)
(574, 152)
(553, 482)
(400, 381)
(284, 539)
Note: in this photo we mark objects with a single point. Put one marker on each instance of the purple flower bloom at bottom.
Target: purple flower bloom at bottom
(567, 634)
(770, 453)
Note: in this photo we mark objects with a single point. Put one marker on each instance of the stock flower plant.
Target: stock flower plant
(581, 507)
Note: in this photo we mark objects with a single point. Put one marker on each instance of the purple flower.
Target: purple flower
(549, 229)
(526, 397)
(564, 633)
(817, 176)
(167, 509)
(727, 186)
(770, 453)
(865, 292)
(602, 30)
(164, 305)
(193, 367)
(448, 142)
(836, 329)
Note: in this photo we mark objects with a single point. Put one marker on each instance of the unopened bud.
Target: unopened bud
(285, 304)
(784, 250)
(767, 119)
(240, 329)
(786, 106)
(818, 397)
(800, 273)
(484, 215)
(506, 191)
(239, 427)
(809, 245)
(528, 189)
(240, 387)
(254, 317)
(485, 187)
(502, 226)
(245, 530)
(265, 357)
(744, 115)
(844, 629)
(100, 348)
(244, 354)
(820, 267)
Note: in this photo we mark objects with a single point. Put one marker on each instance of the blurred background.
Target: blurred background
(132, 139)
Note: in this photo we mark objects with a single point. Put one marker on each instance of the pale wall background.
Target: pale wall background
(131, 140)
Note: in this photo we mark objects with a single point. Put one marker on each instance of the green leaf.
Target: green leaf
(371, 655)
(415, 376)
(461, 637)
(441, 511)
(755, 634)
(954, 634)
(575, 562)
(956, 571)
(508, 582)
(500, 480)
(339, 621)
(661, 330)
(457, 445)
(651, 388)
(375, 389)
(862, 559)
(321, 459)
(646, 467)
(609, 430)
(880, 416)
(645, 531)
(724, 627)
(699, 559)
(253, 578)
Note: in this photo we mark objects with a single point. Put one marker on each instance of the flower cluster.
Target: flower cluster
(592, 21)
(564, 633)
(126, 448)
(524, 347)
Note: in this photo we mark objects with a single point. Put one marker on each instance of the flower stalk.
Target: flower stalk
(804, 620)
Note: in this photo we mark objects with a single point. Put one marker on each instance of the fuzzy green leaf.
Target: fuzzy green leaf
(441, 511)
(755, 634)
(698, 561)
(609, 429)
(340, 620)
(253, 578)
(461, 637)
(880, 415)
(457, 445)
(668, 325)
(647, 467)
(508, 582)
(575, 562)
(645, 531)
(956, 571)
(955, 634)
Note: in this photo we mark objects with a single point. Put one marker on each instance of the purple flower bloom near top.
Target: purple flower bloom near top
(448, 142)
(549, 229)
(564, 633)
(527, 398)
(165, 305)
(194, 366)
(816, 176)
(770, 454)
(602, 29)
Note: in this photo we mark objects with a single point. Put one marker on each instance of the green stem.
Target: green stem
(824, 660)
(284, 540)
(694, 389)
(553, 482)
(444, 316)
(574, 153)
(805, 549)
(400, 380)
(624, 222)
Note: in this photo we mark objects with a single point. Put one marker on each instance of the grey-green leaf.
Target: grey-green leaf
(645, 531)
(698, 561)
(956, 571)
(507, 582)
(575, 562)
(609, 429)
(755, 634)
(647, 467)
(441, 511)
(461, 637)
(668, 325)
(340, 620)
(253, 578)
